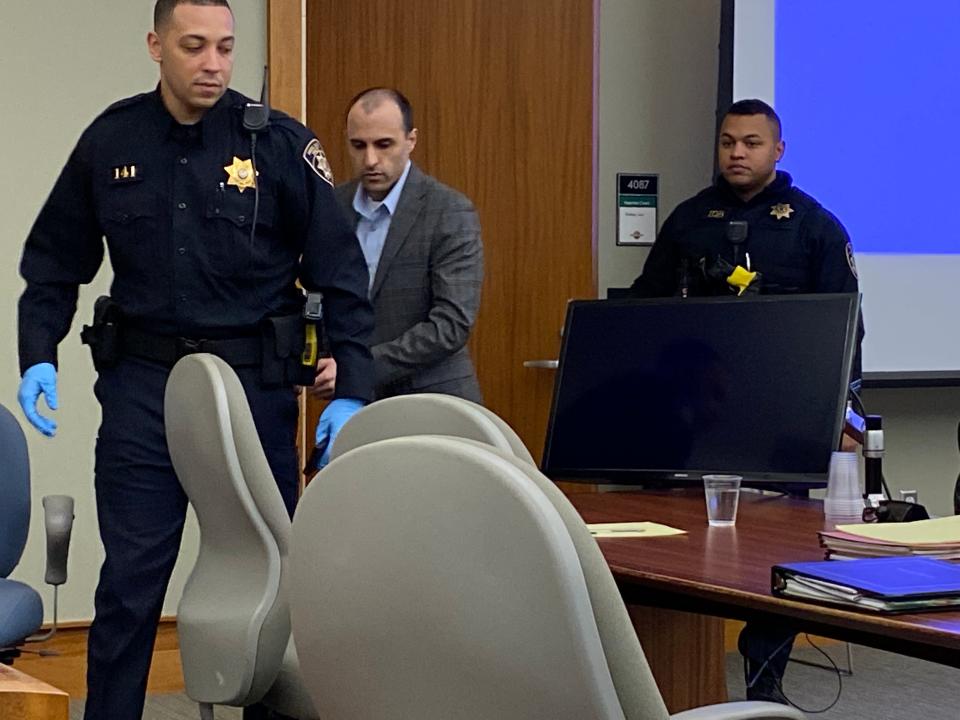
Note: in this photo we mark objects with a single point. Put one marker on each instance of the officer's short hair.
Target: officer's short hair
(163, 10)
(756, 107)
(373, 96)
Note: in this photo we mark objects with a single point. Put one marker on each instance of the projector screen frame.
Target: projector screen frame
(725, 97)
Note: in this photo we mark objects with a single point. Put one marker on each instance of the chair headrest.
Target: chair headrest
(212, 436)
(421, 414)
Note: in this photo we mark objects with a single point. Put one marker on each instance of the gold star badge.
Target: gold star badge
(781, 211)
(240, 174)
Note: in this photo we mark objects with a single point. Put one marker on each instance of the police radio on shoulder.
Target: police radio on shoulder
(256, 118)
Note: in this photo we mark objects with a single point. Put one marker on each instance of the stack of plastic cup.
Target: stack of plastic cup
(843, 502)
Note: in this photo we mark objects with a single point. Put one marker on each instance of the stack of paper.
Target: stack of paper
(938, 538)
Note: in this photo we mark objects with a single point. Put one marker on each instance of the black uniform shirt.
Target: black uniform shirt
(796, 245)
(175, 204)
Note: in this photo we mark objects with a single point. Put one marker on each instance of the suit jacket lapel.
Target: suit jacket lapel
(344, 195)
(408, 209)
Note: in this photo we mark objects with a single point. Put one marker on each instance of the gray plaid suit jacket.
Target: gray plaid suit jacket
(426, 291)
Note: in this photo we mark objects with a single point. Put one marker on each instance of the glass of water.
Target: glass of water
(722, 493)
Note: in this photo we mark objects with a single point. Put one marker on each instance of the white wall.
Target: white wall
(658, 98)
(920, 435)
(61, 63)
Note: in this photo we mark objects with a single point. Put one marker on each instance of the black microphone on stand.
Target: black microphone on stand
(736, 235)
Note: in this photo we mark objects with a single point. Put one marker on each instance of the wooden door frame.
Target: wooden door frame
(286, 55)
(286, 59)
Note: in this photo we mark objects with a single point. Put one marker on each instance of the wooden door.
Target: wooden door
(504, 100)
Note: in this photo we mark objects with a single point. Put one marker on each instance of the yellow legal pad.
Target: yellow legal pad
(632, 530)
(937, 530)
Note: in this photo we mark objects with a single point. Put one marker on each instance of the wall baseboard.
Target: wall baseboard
(68, 669)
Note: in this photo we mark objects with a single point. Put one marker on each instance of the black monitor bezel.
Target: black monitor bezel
(677, 477)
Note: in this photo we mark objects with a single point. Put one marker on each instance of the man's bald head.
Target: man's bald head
(371, 98)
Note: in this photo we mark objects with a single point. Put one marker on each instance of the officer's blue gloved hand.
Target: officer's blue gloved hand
(333, 417)
(39, 379)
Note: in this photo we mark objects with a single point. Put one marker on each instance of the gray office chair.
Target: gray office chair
(21, 610)
(433, 577)
(233, 620)
(517, 446)
(428, 414)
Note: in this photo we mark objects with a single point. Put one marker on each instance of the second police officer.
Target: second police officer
(752, 231)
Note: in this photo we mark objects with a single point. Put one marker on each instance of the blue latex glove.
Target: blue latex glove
(333, 417)
(39, 379)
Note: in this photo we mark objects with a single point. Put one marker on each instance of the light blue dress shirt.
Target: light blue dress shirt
(374, 222)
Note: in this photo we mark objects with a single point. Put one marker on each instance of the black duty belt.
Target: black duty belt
(166, 350)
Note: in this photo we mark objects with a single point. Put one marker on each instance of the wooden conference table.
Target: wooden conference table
(24, 698)
(678, 588)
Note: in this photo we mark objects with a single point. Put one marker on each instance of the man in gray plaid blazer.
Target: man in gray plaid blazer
(421, 241)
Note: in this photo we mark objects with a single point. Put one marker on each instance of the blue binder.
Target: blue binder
(889, 584)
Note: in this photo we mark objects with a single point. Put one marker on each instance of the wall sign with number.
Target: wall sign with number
(637, 208)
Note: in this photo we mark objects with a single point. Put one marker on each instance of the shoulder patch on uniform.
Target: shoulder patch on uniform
(317, 160)
(850, 261)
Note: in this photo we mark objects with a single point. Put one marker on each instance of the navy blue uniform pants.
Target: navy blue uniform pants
(766, 650)
(141, 509)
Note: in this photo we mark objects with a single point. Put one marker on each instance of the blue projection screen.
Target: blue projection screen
(869, 94)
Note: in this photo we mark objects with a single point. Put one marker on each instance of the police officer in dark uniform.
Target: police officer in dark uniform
(752, 232)
(752, 217)
(212, 210)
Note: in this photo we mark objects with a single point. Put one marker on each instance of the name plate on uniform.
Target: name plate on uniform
(637, 208)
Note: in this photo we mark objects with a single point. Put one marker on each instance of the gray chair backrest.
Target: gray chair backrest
(517, 447)
(14, 491)
(636, 688)
(431, 578)
(427, 414)
(233, 619)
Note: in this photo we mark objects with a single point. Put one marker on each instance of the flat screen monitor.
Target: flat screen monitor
(667, 390)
